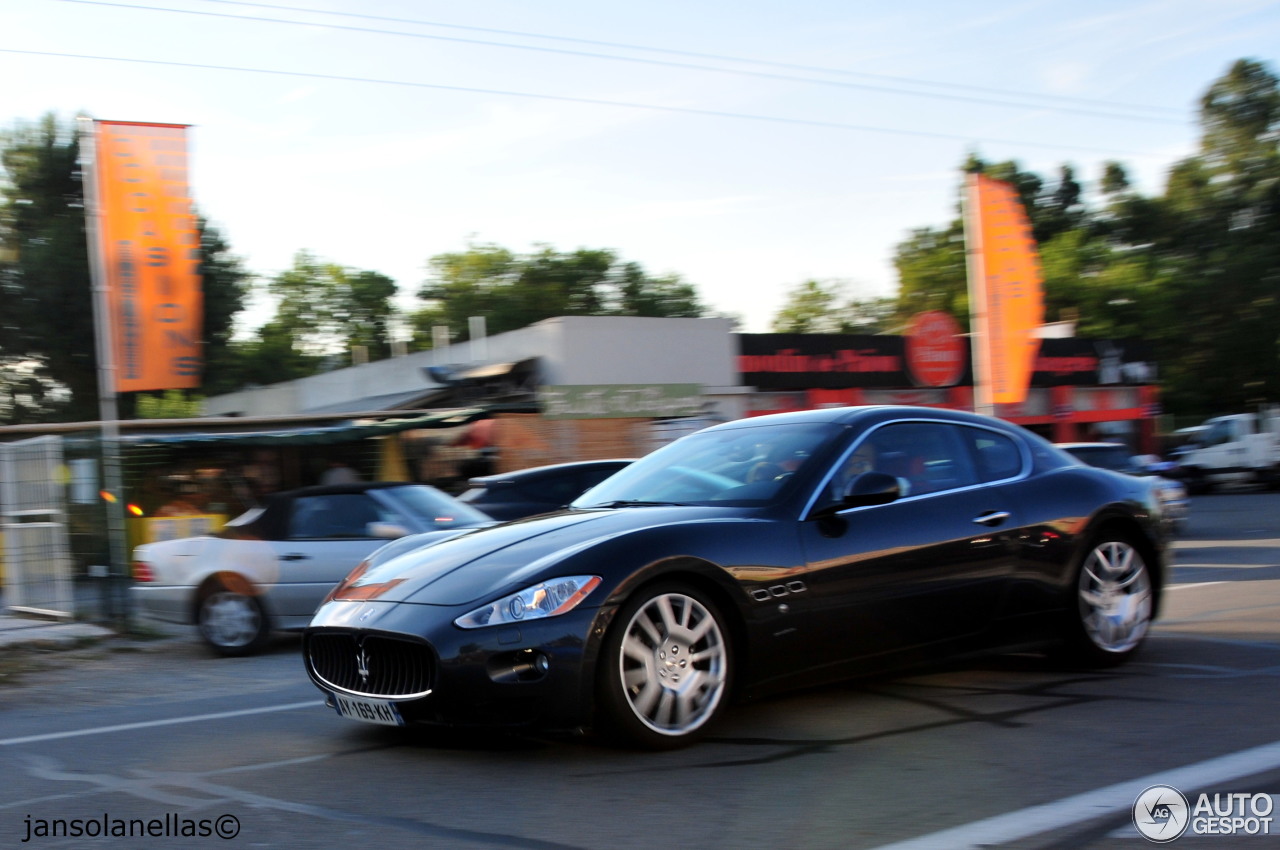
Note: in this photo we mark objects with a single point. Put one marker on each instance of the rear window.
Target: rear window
(1107, 457)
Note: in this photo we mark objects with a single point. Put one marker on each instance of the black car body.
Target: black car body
(539, 489)
(742, 560)
(1175, 505)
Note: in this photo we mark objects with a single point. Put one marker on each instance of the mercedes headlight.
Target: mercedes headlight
(547, 599)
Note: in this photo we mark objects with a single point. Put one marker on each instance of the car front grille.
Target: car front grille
(371, 665)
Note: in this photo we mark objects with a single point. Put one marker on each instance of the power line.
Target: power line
(1124, 116)
(1168, 110)
(680, 110)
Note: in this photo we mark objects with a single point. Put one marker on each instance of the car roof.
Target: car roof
(548, 469)
(866, 414)
(268, 521)
(346, 487)
(1070, 446)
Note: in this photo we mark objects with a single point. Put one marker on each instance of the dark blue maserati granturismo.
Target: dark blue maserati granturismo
(750, 557)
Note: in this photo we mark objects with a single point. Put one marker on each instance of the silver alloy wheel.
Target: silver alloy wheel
(230, 620)
(1115, 596)
(673, 664)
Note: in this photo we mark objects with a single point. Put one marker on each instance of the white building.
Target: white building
(619, 357)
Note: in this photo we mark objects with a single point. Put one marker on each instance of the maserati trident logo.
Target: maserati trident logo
(362, 665)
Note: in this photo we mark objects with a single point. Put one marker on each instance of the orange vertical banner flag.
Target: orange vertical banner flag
(150, 246)
(1005, 290)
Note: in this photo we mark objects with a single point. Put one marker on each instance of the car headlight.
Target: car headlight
(547, 599)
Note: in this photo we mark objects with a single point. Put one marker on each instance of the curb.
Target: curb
(21, 631)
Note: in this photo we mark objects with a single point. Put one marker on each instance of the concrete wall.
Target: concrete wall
(626, 350)
(572, 350)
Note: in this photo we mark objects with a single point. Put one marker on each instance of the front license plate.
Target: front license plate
(369, 710)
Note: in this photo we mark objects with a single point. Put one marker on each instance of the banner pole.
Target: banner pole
(112, 477)
(979, 320)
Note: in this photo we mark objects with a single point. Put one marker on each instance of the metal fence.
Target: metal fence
(37, 559)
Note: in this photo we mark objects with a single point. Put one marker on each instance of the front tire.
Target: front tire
(232, 623)
(665, 668)
(1112, 604)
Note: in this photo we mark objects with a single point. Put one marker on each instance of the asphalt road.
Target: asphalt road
(1008, 752)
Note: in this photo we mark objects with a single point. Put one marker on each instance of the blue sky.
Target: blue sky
(748, 147)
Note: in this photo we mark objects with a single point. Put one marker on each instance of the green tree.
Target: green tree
(1059, 208)
(933, 272)
(46, 300)
(1194, 270)
(273, 355)
(1114, 179)
(824, 307)
(638, 294)
(329, 309)
(369, 313)
(1113, 293)
(225, 284)
(513, 291)
(171, 404)
(1217, 245)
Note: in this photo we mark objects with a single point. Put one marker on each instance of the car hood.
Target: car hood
(486, 561)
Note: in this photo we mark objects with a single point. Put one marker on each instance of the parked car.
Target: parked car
(270, 567)
(699, 573)
(538, 490)
(1176, 505)
(1239, 448)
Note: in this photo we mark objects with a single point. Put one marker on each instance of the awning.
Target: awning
(302, 435)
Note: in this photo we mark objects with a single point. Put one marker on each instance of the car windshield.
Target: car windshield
(440, 508)
(742, 466)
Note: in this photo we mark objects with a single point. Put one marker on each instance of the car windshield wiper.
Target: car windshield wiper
(638, 503)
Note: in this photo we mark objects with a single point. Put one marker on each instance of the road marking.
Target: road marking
(1208, 566)
(1194, 584)
(1103, 802)
(1250, 644)
(172, 721)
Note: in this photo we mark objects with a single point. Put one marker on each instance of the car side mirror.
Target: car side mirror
(871, 488)
(386, 530)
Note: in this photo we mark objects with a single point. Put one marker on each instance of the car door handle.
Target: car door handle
(991, 518)
(295, 556)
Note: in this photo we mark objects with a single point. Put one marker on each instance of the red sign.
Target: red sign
(935, 350)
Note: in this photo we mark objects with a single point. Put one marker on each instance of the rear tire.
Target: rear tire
(1112, 603)
(232, 623)
(664, 669)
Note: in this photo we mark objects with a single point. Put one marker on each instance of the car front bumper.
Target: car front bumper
(537, 673)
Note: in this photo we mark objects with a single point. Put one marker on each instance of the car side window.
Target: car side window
(929, 456)
(334, 515)
(998, 456)
(592, 477)
(560, 489)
